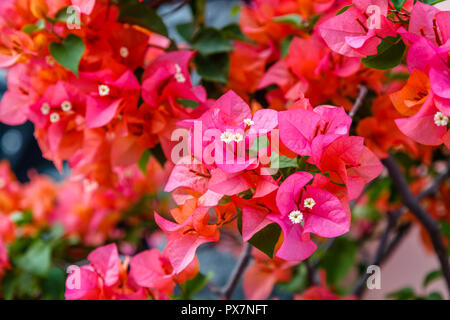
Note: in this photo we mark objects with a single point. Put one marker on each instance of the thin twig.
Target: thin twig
(359, 100)
(412, 203)
(384, 249)
(240, 267)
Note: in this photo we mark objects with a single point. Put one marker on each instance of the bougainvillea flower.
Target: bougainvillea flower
(108, 96)
(317, 210)
(185, 236)
(428, 126)
(262, 275)
(298, 128)
(350, 33)
(189, 179)
(348, 161)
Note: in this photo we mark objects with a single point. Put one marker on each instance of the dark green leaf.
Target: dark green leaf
(186, 30)
(69, 52)
(54, 285)
(22, 218)
(210, 41)
(213, 68)
(339, 259)
(398, 4)
(141, 15)
(445, 228)
(30, 28)
(193, 286)
(403, 294)
(431, 2)
(293, 19)
(434, 296)
(158, 153)
(344, 8)
(430, 277)
(279, 162)
(143, 161)
(233, 31)
(266, 239)
(188, 103)
(285, 44)
(37, 259)
(389, 54)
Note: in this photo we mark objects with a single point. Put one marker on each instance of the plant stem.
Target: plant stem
(241, 265)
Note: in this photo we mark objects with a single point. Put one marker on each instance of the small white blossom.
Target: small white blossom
(309, 203)
(227, 137)
(440, 119)
(103, 90)
(66, 106)
(124, 52)
(180, 77)
(177, 68)
(238, 137)
(296, 216)
(249, 122)
(2, 183)
(45, 108)
(54, 117)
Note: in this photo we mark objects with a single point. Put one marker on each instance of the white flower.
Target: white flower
(238, 137)
(103, 90)
(180, 77)
(249, 122)
(66, 106)
(45, 108)
(54, 117)
(296, 216)
(177, 68)
(50, 61)
(227, 137)
(124, 52)
(309, 203)
(2, 183)
(440, 119)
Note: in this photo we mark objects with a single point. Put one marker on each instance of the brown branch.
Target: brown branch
(240, 267)
(363, 90)
(412, 203)
(384, 249)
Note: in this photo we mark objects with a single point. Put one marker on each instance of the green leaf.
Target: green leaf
(434, 296)
(266, 239)
(186, 30)
(143, 161)
(233, 31)
(339, 259)
(69, 52)
(431, 2)
(293, 19)
(389, 54)
(285, 44)
(398, 4)
(280, 162)
(54, 285)
(214, 67)
(445, 228)
(366, 212)
(188, 103)
(36, 259)
(38, 26)
(210, 41)
(193, 286)
(344, 8)
(22, 218)
(403, 294)
(69, 15)
(259, 143)
(141, 15)
(430, 277)
(158, 153)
